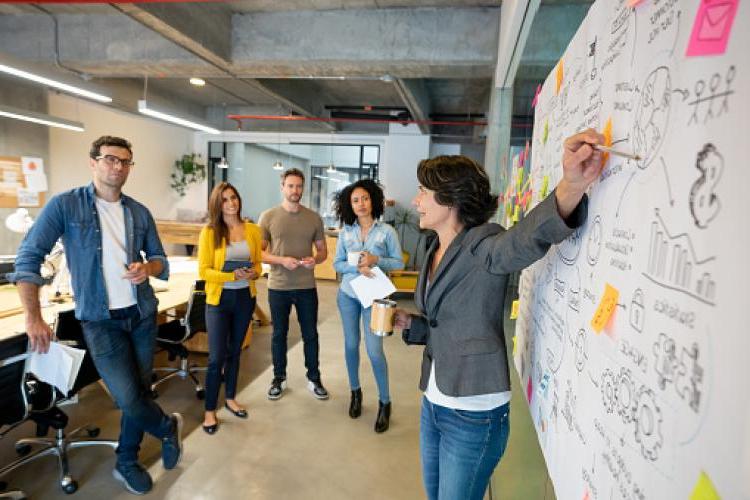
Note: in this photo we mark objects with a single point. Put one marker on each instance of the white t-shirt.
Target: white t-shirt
(121, 292)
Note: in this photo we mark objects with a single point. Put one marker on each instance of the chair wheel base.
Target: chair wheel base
(70, 487)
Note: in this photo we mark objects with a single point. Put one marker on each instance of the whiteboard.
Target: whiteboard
(656, 405)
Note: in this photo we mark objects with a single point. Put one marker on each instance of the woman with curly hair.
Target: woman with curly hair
(358, 208)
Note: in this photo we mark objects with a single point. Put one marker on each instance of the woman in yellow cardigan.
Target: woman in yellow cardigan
(229, 255)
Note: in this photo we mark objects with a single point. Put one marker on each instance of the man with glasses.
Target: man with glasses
(104, 233)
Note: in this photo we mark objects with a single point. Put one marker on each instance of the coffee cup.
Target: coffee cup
(381, 317)
(352, 258)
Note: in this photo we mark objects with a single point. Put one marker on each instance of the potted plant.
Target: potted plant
(187, 170)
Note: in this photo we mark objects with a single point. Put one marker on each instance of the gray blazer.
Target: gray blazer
(460, 317)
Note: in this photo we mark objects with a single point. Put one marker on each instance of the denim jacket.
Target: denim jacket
(382, 241)
(73, 216)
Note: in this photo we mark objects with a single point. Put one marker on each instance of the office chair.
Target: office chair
(172, 336)
(46, 415)
(15, 407)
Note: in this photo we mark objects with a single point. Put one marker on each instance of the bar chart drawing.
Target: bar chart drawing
(673, 264)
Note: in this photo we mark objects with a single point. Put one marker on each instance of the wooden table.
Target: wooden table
(186, 233)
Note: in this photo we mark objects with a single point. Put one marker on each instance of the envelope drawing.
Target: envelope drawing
(715, 20)
(712, 27)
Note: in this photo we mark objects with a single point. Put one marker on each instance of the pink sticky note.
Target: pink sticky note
(529, 391)
(713, 24)
(536, 95)
(633, 3)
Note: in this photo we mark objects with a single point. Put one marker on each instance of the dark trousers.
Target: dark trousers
(306, 304)
(227, 325)
(122, 349)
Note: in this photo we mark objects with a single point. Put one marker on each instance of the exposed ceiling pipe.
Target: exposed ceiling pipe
(298, 118)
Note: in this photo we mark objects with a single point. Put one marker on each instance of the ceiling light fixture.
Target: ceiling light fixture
(40, 118)
(198, 82)
(144, 109)
(54, 83)
(222, 163)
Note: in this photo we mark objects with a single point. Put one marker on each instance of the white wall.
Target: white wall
(440, 149)
(398, 168)
(156, 146)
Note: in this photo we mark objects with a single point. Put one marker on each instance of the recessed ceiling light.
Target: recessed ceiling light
(198, 82)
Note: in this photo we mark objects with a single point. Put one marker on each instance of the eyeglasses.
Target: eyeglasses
(112, 160)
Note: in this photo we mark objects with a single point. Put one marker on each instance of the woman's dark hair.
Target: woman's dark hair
(343, 200)
(215, 215)
(462, 183)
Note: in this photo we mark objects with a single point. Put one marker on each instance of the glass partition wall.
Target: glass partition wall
(255, 169)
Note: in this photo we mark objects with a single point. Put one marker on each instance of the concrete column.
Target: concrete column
(497, 150)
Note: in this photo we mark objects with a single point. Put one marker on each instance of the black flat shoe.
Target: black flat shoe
(211, 429)
(238, 413)
(355, 406)
(384, 417)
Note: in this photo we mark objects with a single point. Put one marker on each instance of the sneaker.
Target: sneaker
(171, 446)
(317, 389)
(134, 477)
(276, 390)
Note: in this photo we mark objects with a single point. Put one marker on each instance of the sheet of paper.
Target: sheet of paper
(36, 182)
(27, 198)
(31, 165)
(369, 289)
(59, 366)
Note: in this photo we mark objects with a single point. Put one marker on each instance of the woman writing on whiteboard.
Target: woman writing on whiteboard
(370, 243)
(460, 295)
(229, 255)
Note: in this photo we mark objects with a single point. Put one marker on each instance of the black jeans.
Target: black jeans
(226, 324)
(306, 303)
(122, 349)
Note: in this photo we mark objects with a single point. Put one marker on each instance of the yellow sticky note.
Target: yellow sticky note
(545, 186)
(545, 132)
(516, 214)
(704, 489)
(607, 133)
(514, 345)
(514, 310)
(559, 76)
(606, 308)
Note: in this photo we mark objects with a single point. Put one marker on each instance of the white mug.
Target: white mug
(352, 258)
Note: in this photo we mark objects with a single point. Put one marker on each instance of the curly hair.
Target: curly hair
(343, 200)
(108, 140)
(460, 182)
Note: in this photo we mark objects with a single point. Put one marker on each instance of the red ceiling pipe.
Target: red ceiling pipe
(299, 118)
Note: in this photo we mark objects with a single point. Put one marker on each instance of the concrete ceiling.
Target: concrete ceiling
(316, 58)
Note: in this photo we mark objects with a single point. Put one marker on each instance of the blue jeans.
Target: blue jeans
(122, 349)
(351, 310)
(460, 449)
(227, 325)
(306, 303)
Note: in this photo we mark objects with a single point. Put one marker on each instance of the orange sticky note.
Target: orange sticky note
(586, 494)
(559, 76)
(514, 314)
(633, 3)
(606, 308)
(607, 133)
(704, 489)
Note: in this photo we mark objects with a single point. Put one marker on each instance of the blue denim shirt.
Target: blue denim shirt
(72, 215)
(382, 241)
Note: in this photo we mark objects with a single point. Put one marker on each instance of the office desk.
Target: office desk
(14, 324)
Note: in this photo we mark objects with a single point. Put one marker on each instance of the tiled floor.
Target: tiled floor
(293, 448)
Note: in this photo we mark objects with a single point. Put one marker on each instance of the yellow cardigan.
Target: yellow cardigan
(211, 261)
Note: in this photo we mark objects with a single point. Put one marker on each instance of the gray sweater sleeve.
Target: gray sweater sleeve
(529, 240)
